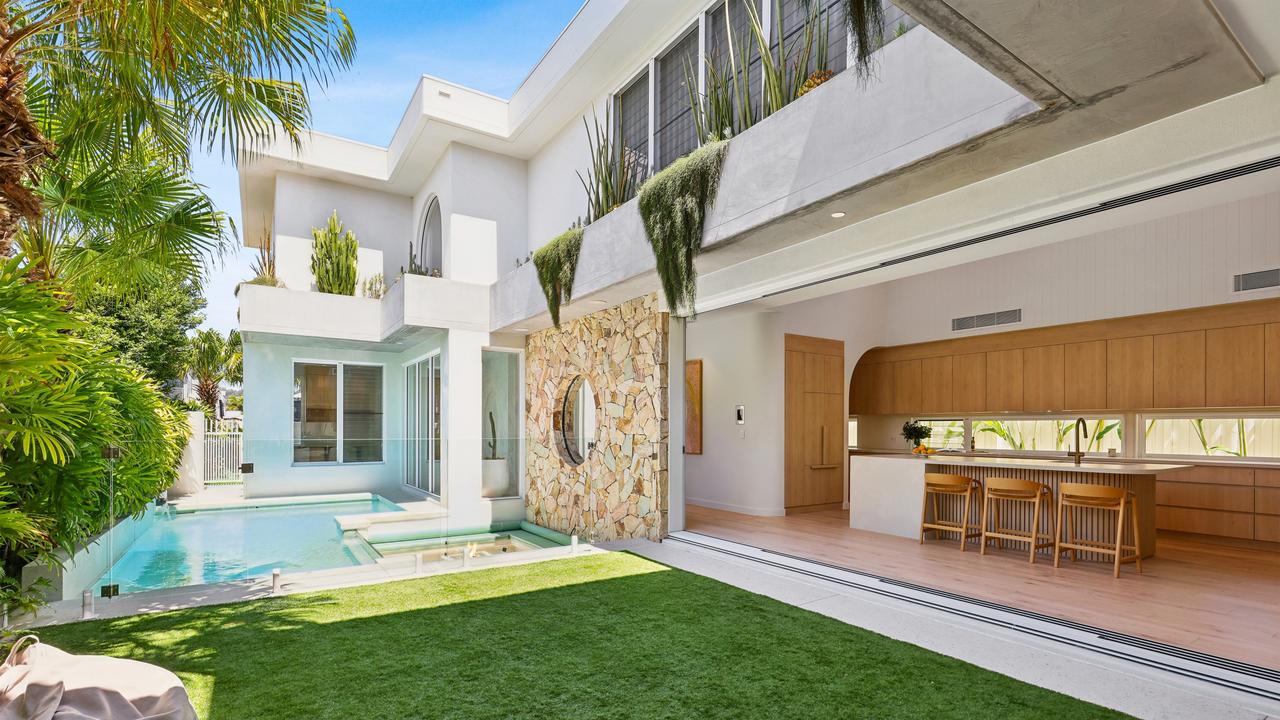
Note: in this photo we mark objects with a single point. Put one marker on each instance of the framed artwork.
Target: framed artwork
(693, 407)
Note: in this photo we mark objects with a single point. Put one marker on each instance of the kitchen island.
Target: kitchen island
(886, 491)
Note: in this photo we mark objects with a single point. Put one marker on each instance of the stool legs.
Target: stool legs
(1120, 535)
(1137, 536)
(1057, 539)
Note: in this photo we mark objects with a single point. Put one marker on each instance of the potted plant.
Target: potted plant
(915, 432)
(494, 476)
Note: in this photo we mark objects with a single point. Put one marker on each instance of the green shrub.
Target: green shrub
(333, 258)
(673, 206)
(556, 263)
(63, 400)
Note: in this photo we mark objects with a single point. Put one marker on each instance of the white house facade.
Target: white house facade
(997, 156)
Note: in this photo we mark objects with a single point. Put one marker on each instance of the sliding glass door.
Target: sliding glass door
(422, 445)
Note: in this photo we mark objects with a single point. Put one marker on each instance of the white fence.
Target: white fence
(223, 451)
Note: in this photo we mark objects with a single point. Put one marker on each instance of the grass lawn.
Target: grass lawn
(602, 636)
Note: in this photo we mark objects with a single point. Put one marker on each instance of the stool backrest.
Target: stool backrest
(1090, 492)
(1012, 486)
(947, 480)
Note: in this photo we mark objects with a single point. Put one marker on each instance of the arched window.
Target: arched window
(430, 246)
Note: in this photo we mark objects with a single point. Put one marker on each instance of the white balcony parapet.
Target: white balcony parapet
(414, 302)
(927, 99)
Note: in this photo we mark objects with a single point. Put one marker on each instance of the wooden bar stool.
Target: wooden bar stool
(938, 485)
(1084, 495)
(1013, 490)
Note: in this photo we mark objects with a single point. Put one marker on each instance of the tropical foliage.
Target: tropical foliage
(130, 223)
(1052, 434)
(557, 263)
(166, 75)
(673, 205)
(146, 326)
(333, 257)
(215, 359)
(63, 401)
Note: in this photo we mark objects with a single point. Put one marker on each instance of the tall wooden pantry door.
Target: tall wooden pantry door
(816, 447)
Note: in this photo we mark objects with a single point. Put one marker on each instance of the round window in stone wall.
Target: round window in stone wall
(576, 431)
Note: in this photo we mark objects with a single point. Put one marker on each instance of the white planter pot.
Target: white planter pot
(494, 478)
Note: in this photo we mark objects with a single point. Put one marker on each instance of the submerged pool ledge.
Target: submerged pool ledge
(187, 506)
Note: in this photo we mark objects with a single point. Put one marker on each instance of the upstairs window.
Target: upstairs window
(731, 47)
(632, 112)
(675, 134)
(829, 47)
(431, 244)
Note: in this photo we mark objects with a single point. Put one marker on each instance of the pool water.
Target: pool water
(214, 546)
(476, 546)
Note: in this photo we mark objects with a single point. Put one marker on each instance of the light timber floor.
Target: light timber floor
(1214, 597)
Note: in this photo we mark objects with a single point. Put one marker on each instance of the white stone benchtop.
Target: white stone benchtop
(1109, 468)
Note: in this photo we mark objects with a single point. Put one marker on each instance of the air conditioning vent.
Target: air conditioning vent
(1256, 280)
(985, 320)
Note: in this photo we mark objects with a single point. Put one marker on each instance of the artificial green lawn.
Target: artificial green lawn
(600, 636)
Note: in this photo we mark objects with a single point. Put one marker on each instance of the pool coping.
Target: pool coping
(388, 569)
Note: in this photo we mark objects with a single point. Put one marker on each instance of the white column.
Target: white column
(461, 410)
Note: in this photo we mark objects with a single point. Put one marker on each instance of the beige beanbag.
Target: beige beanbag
(41, 682)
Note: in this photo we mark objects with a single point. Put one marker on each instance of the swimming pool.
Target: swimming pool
(214, 546)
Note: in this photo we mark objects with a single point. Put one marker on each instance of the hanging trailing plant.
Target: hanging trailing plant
(865, 19)
(673, 206)
(556, 263)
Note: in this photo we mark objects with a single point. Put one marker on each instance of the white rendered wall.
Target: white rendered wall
(268, 424)
(741, 466)
(490, 204)
(483, 208)
(380, 221)
(556, 199)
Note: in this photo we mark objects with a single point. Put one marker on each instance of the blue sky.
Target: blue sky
(489, 45)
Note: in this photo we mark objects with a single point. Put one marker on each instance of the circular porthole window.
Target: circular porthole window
(576, 431)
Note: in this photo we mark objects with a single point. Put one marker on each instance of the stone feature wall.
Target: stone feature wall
(620, 489)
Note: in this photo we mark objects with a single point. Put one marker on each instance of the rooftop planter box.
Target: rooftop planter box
(926, 99)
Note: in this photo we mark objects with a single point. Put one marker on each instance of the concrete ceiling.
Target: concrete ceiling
(1097, 68)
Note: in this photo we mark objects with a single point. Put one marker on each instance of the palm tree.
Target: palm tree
(129, 224)
(228, 74)
(209, 365)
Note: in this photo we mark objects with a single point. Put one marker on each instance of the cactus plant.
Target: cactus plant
(333, 258)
